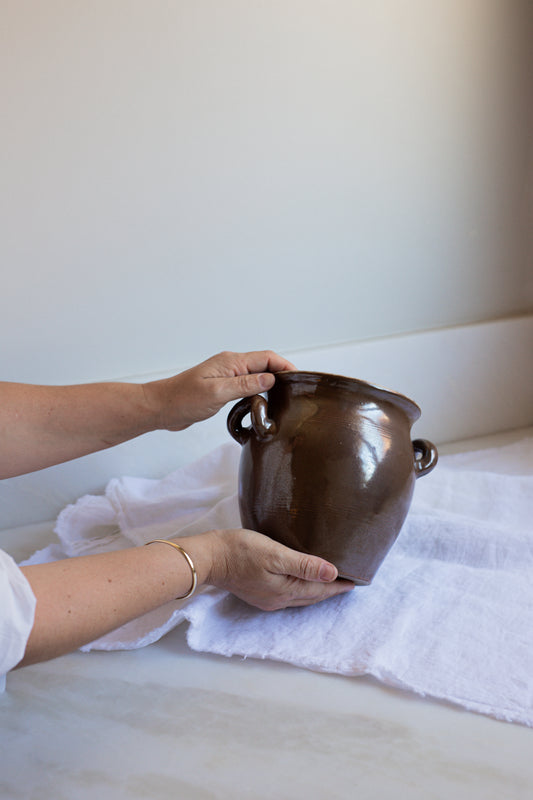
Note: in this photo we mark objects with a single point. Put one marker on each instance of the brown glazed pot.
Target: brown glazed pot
(328, 467)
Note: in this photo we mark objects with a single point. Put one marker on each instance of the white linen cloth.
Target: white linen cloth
(449, 614)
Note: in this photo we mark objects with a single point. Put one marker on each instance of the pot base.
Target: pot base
(356, 581)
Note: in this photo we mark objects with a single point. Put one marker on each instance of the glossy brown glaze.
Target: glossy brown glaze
(328, 467)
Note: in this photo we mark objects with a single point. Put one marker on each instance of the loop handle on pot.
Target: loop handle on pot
(426, 456)
(256, 406)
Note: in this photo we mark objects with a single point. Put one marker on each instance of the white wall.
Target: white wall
(182, 176)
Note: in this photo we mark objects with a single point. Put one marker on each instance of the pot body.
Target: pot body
(328, 467)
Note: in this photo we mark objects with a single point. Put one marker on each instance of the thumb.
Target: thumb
(312, 568)
(247, 385)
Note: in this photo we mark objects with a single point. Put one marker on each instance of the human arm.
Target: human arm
(45, 425)
(80, 599)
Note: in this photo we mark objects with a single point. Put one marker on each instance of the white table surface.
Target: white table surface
(166, 722)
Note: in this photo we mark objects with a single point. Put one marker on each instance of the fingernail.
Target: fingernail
(266, 380)
(327, 572)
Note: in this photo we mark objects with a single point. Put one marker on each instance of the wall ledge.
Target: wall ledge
(470, 381)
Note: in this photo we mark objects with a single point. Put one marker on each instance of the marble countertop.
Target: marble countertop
(166, 722)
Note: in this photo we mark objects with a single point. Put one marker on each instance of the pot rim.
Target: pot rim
(411, 408)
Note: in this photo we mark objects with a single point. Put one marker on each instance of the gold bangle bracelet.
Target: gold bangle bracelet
(189, 561)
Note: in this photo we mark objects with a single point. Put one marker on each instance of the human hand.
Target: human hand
(263, 572)
(201, 392)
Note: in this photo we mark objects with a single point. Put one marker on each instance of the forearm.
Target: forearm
(81, 599)
(45, 425)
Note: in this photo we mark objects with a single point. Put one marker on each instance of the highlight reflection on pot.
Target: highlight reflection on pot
(328, 467)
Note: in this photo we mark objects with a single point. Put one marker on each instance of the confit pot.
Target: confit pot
(328, 467)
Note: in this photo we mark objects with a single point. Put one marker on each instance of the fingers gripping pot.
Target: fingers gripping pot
(328, 467)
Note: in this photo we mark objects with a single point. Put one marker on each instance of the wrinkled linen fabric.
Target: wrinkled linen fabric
(449, 614)
(191, 500)
(17, 611)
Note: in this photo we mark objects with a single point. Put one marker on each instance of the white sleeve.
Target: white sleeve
(17, 611)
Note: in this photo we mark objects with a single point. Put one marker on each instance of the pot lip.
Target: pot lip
(411, 408)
